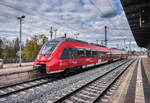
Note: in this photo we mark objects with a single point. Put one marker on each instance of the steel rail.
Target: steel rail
(22, 82)
(84, 86)
(28, 87)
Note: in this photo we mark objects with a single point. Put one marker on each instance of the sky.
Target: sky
(86, 17)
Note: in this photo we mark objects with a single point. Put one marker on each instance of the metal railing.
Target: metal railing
(6, 61)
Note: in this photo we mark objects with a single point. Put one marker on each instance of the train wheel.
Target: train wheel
(79, 68)
(67, 71)
(42, 70)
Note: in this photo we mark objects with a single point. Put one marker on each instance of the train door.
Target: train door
(99, 57)
(65, 59)
(74, 56)
(70, 57)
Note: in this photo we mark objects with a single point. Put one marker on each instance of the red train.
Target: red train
(65, 53)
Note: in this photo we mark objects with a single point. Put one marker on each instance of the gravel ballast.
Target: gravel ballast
(54, 90)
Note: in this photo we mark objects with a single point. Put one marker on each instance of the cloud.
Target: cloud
(67, 16)
(106, 8)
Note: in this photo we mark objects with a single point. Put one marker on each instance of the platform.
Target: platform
(14, 65)
(11, 73)
(135, 85)
(14, 68)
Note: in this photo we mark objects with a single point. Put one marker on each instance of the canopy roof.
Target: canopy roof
(132, 10)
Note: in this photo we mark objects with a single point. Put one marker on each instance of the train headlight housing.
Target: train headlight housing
(38, 57)
(49, 57)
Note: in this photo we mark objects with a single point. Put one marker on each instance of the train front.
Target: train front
(44, 58)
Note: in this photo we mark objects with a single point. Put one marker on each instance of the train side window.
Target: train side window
(81, 53)
(113, 55)
(103, 55)
(88, 53)
(70, 52)
(65, 54)
(94, 53)
(108, 55)
(98, 54)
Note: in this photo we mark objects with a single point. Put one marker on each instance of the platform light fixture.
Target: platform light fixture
(20, 53)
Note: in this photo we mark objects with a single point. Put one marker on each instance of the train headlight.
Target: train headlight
(49, 57)
(38, 57)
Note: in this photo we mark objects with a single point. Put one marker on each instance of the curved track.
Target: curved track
(92, 91)
(25, 85)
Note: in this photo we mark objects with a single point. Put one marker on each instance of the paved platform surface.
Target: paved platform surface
(135, 86)
(14, 68)
(13, 65)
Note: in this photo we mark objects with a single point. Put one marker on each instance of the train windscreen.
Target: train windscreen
(48, 48)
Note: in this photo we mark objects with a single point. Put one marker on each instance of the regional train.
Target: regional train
(62, 54)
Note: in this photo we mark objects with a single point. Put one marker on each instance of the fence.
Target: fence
(5, 61)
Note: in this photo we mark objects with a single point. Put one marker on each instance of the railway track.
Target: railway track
(29, 80)
(21, 86)
(25, 85)
(21, 82)
(92, 91)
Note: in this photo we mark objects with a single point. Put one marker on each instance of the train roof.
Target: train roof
(60, 39)
(69, 39)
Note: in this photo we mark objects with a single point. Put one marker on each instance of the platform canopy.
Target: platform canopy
(138, 16)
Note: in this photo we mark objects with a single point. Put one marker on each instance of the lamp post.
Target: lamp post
(55, 33)
(76, 35)
(96, 41)
(51, 32)
(20, 54)
(105, 36)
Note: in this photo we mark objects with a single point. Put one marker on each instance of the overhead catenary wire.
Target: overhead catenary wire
(1, 3)
(100, 12)
(8, 4)
(4, 3)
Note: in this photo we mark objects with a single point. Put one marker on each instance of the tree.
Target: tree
(10, 49)
(16, 47)
(33, 46)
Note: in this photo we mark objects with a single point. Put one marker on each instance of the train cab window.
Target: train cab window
(48, 48)
(81, 53)
(65, 54)
(88, 53)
